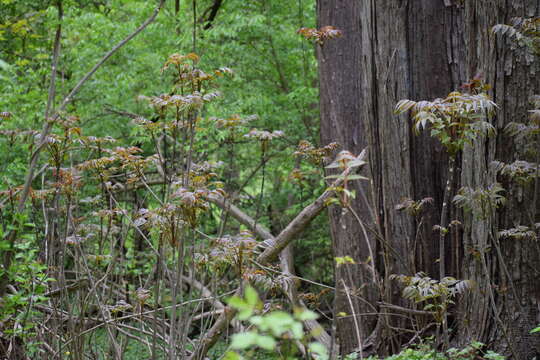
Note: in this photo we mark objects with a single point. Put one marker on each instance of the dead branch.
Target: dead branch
(279, 243)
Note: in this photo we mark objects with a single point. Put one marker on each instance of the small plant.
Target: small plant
(434, 294)
(276, 331)
(425, 351)
(457, 120)
(321, 35)
(482, 202)
(29, 279)
(345, 161)
(525, 32)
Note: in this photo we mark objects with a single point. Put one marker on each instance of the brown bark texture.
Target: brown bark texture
(423, 49)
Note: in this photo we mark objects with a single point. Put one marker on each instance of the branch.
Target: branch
(405, 310)
(205, 292)
(299, 223)
(77, 87)
(241, 217)
(67, 289)
(49, 121)
(213, 334)
(279, 243)
(213, 12)
(10, 237)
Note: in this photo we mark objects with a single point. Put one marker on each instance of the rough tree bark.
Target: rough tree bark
(341, 105)
(514, 77)
(423, 49)
(379, 60)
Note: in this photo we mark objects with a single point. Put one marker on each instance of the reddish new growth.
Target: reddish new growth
(321, 35)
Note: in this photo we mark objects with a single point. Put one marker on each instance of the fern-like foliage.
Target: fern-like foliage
(519, 232)
(319, 36)
(521, 171)
(532, 128)
(455, 120)
(420, 287)
(525, 31)
(412, 207)
(482, 202)
(436, 295)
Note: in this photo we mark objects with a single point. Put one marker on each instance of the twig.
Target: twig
(47, 125)
(405, 310)
(355, 319)
(297, 225)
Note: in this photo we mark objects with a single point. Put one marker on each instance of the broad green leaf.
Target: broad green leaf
(244, 340)
(305, 314)
(319, 349)
(231, 355)
(266, 342)
(297, 330)
(251, 296)
(237, 303)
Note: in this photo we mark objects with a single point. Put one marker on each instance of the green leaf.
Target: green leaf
(245, 314)
(231, 355)
(237, 303)
(404, 106)
(256, 320)
(251, 296)
(244, 340)
(266, 342)
(356, 177)
(297, 330)
(319, 349)
(305, 314)
(4, 65)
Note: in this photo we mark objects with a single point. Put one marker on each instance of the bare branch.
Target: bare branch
(279, 243)
(8, 255)
(300, 222)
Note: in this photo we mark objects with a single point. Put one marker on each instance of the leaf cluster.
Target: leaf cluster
(436, 295)
(276, 331)
(455, 120)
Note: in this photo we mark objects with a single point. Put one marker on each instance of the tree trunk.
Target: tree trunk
(514, 78)
(423, 49)
(340, 105)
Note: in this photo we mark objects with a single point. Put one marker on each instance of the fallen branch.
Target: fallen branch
(297, 225)
(405, 310)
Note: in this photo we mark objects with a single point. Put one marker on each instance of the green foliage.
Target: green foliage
(523, 171)
(425, 351)
(524, 31)
(414, 208)
(455, 120)
(520, 232)
(29, 279)
(275, 331)
(124, 179)
(344, 260)
(436, 295)
(481, 202)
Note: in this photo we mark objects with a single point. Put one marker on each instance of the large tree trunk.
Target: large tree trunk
(514, 78)
(422, 49)
(381, 59)
(341, 106)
